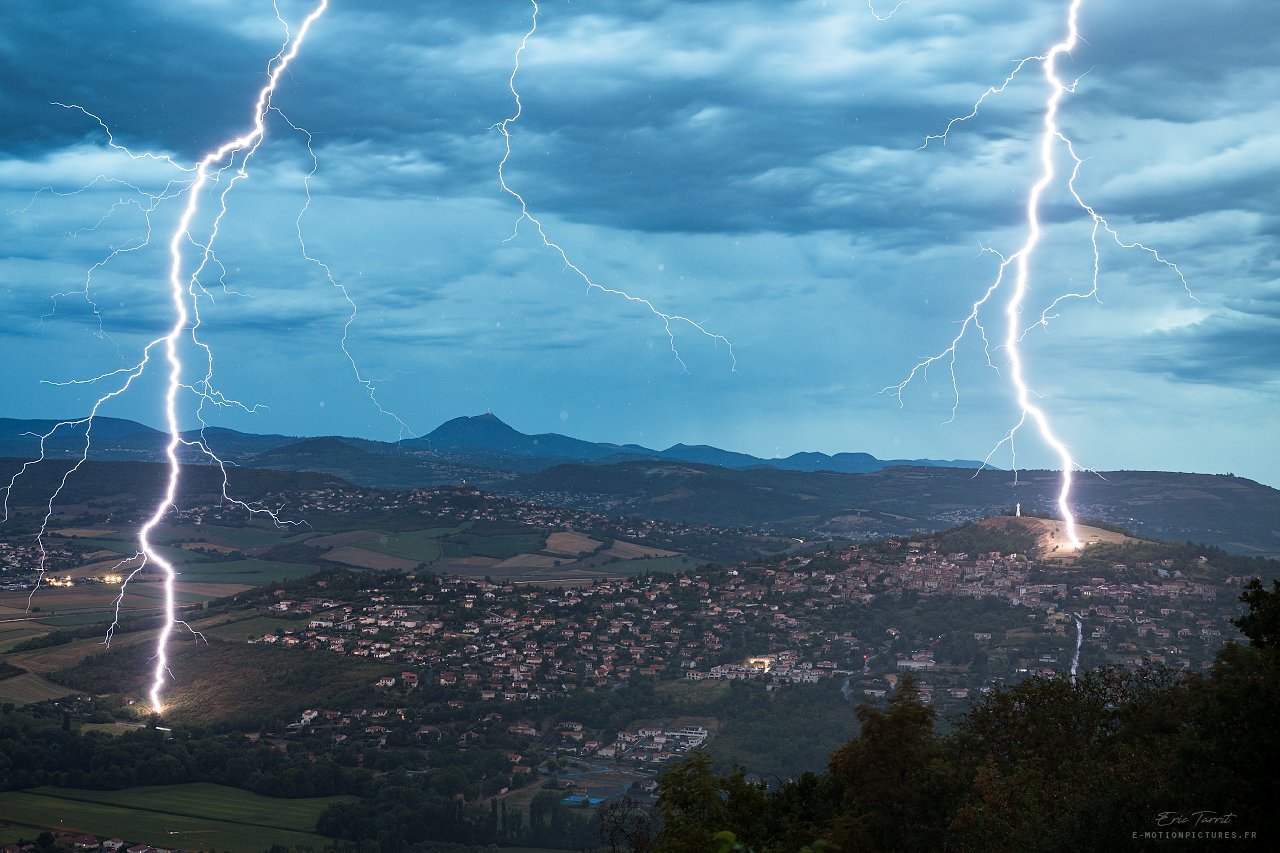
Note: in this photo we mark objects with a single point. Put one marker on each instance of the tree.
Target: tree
(1262, 623)
(694, 803)
(628, 826)
(891, 777)
(1051, 765)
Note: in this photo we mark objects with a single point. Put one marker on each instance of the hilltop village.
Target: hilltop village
(854, 617)
(857, 616)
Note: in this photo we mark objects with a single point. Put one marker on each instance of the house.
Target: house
(915, 665)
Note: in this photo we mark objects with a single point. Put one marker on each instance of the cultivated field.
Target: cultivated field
(341, 540)
(631, 551)
(208, 546)
(243, 629)
(245, 572)
(570, 543)
(15, 632)
(359, 557)
(28, 688)
(192, 816)
(417, 545)
(528, 561)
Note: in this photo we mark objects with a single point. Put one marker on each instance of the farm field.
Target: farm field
(195, 815)
(54, 658)
(85, 532)
(499, 546)
(529, 561)
(341, 540)
(571, 543)
(248, 572)
(631, 551)
(12, 633)
(30, 687)
(59, 599)
(241, 630)
(76, 620)
(657, 564)
(128, 547)
(10, 834)
(417, 545)
(364, 559)
(61, 607)
(241, 537)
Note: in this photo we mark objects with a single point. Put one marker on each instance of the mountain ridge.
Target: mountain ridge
(470, 440)
(808, 500)
(490, 433)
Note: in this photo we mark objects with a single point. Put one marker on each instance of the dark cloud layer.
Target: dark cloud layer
(755, 167)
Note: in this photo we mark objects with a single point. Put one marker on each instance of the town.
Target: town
(786, 625)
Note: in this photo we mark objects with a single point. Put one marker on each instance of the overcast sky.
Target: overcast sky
(755, 167)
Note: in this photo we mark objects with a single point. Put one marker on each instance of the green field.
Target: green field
(16, 632)
(656, 564)
(244, 537)
(501, 547)
(75, 620)
(11, 834)
(419, 545)
(254, 627)
(127, 548)
(244, 571)
(195, 815)
(28, 688)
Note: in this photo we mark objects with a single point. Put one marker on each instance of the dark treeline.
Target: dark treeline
(37, 748)
(396, 812)
(405, 814)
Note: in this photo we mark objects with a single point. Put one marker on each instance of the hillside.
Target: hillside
(1050, 535)
(1231, 512)
(801, 495)
(481, 448)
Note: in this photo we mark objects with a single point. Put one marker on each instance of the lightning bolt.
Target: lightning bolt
(504, 127)
(210, 167)
(886, 16)
(1075, 659)
(370, 386)
(1014, 270)
(227, 164)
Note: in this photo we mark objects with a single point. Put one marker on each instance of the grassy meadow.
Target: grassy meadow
(191, 816)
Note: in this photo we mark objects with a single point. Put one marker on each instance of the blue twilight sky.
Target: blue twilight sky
(753, 166)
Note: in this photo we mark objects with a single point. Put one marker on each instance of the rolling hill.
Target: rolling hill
(850, 495)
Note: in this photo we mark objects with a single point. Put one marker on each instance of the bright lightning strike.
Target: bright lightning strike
(1015, 269)
(886, 16)
(181, 286)
(1075, 658)
(226, 163)
(504, 127)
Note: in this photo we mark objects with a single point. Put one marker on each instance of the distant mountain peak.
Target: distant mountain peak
(471, 430)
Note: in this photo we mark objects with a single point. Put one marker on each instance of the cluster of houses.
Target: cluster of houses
(20, 562)
(494, 642)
